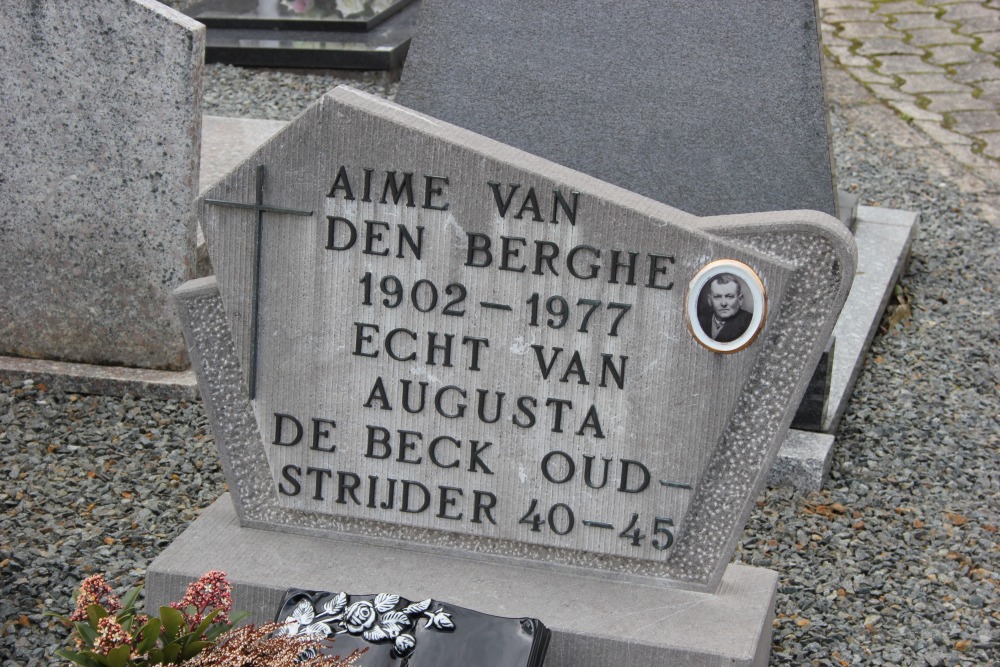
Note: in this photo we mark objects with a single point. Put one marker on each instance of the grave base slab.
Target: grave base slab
(884, 237)
(101, 380)
(594, 622)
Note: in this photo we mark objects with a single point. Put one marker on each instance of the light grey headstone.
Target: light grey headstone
(99, 149)
(713, 106)
(325, 351)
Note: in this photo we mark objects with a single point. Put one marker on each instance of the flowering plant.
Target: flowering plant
(109, 631)
(251, 646)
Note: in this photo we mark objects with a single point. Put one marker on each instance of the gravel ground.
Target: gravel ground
(897, 563)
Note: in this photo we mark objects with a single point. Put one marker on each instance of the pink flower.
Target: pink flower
(212, 591)
(95, 590)
(110, 635)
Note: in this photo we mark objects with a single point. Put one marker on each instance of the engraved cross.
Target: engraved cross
(261, 209)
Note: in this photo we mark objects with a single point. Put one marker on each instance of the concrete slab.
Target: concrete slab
(884, 236)
(803, 461)
(594, 621)
(225, 142)
(103, 380)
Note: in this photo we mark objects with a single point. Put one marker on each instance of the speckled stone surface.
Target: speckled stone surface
(99, 151)
(711, 107)
(807, 257)
(803, 462)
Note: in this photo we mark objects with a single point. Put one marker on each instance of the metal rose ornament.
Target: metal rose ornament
(385, 618)
(359, 617)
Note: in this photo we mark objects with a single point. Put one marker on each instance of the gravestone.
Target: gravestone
(712, 107)
(438, 364)
(98, 175)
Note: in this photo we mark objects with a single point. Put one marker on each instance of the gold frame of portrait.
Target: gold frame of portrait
(757, 290)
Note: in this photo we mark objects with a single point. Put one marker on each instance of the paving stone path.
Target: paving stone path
(937, 64)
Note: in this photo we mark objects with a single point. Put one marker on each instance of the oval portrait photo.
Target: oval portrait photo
(726, 306)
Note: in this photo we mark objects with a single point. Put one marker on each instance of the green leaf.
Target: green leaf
(172, 621)
(78, 658)
(150, 633)
(62, 617)
(194, 648)
(128, 602)
(87, 633)
(170, 653)
(118, 657)
(155, 656)
(98, 658)
(200, 630)
(125, 620)
(95, 613)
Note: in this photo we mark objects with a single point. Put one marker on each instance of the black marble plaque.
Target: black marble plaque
(383, 47)
(809, 416)
(402, 633)
(340, 15)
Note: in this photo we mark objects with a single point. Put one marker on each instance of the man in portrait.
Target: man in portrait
(725, 320)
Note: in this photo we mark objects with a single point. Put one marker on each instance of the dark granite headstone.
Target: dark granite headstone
(714, 106)
(396, 631)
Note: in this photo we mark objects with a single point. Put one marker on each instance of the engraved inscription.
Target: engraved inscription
(486, 377)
